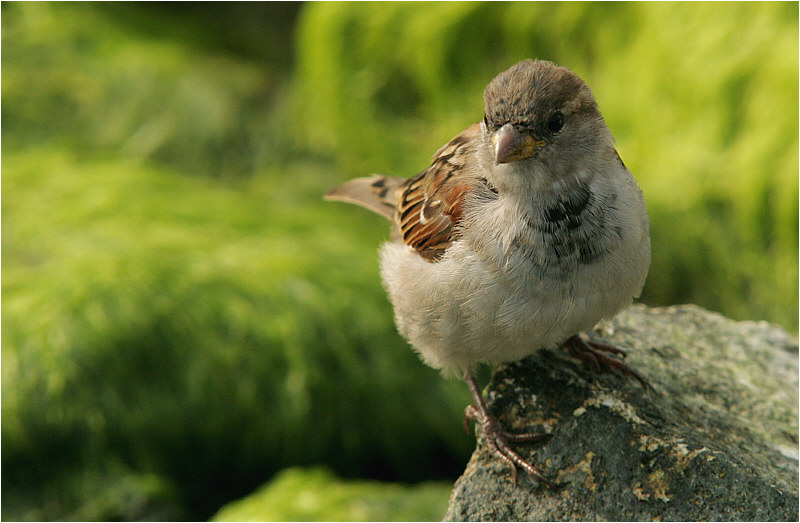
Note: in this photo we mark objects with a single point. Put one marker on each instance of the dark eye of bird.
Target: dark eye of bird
(556, 122)
(486, 122)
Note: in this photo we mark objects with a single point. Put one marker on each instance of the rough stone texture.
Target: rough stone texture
(713, 438)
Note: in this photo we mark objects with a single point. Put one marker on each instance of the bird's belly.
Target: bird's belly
(460, 312)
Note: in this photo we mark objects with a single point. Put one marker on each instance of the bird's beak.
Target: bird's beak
(511, 145)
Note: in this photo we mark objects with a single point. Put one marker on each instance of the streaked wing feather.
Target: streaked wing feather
(376, 193)
(429, 207)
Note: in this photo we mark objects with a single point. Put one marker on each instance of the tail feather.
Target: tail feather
(376, 193)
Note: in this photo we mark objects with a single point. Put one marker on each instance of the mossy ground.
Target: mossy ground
(317, 495)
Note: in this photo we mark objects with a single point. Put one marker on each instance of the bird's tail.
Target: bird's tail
(376, 193)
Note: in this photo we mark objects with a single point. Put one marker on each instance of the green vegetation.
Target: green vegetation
(316, 495)
(183, 317)
(167, 318)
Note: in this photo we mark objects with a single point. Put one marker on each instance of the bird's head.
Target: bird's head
(538, 112)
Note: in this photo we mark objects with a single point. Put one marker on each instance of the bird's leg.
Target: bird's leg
(598, 354)
(497, 437)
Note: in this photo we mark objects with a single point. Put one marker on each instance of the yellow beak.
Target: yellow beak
(511, 145)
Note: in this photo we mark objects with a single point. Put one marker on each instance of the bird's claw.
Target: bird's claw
(598, 353)
(497, 439)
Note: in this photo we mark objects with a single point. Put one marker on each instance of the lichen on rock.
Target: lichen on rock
(714, 437)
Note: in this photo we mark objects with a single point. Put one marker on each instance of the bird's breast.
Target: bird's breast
(557, 236)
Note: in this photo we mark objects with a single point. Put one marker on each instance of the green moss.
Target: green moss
(196, 329)
(108, 491)
(317, 495)
(79, 75)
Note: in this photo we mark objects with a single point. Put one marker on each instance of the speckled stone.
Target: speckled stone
(715, 437)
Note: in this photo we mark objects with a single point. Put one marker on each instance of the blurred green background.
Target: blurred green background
(184, 318)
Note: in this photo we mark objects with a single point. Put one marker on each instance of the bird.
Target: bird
(525, 230)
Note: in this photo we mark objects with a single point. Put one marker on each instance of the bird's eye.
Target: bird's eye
(556, 122)
(486, 122)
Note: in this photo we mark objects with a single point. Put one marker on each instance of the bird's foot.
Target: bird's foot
(597, 354)
(497, 437)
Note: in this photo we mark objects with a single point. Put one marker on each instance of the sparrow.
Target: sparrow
(525, 230)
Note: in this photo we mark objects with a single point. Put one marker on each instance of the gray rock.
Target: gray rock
(713, 438)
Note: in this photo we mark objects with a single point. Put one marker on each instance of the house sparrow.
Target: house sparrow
(526, 229)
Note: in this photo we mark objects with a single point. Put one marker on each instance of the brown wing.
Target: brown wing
(430, 206)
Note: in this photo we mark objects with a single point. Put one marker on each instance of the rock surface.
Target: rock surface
(713, 438)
